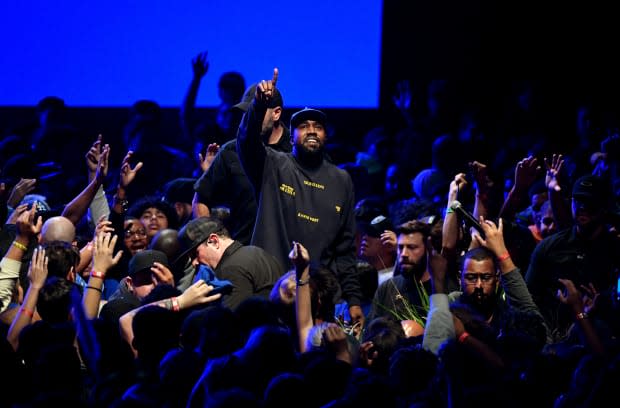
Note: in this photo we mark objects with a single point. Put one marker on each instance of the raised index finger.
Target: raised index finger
(275, 77)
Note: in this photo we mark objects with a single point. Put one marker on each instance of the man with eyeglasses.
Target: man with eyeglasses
(493, 292)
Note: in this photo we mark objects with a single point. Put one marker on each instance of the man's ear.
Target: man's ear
(71, 275)
(129, 282)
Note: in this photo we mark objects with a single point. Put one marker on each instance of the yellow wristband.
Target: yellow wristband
(19, 245)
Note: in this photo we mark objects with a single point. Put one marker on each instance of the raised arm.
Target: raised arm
(526, 171)
(303, 305)
(197, 294)
(103, 260)
(249, 144)
(99, 206)
(10, 265)
(76, 209)
(450, 228)
(37, 273)
(561, 211)
(200, 67)
(517, 294)
(205, 184)
(439, 326)
(483, 185)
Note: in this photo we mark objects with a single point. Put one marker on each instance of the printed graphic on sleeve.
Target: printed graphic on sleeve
(287, 189)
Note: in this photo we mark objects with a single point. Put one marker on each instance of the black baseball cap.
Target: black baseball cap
(197, 231)
(308, 114)
(143, 260)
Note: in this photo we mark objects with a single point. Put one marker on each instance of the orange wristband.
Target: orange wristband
(463, 337)
(503, 257)
(27, 312)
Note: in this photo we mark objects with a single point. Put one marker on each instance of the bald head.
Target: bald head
(167, 241)
(58, 229)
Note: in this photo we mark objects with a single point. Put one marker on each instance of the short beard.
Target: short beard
(484, 306)
(310, 158)
(414, 271)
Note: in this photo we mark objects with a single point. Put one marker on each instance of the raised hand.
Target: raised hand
(207, 160)
(200, 65)
(300, 257)
(19, 210)
(26, 226)
(127, 172)
(266, 89)
(37, 272)
(103, 226)
(457, 185)
(481, 176)
(92, 156)
(103, 258)
(526, 172)
(23, 187)
(494, 236)
(553, 172)
(101, 171)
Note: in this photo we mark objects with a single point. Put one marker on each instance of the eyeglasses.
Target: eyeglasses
(472, 278)
(138, 233)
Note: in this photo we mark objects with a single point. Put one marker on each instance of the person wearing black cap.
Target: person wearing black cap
(586, 254)
(225, 183)
(147, 269)
(250, 269)
(301, 197)
(179, 194)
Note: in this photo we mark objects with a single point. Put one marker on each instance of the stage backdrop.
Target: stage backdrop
(110, 54)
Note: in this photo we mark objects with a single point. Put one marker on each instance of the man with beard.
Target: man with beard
(225, 183)
(495, 299)
(301, 196)
(586, 254)
(406, 293)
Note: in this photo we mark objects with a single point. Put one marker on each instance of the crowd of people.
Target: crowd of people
(460, 255)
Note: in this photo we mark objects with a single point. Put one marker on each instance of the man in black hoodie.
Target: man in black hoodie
(301, 196)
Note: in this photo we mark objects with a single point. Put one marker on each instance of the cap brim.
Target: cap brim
(242, 106)
(187, 251)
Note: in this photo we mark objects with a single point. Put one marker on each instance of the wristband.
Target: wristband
(94, 288)
(303, 282)
(581, 316)
(19, 245)
(503, 257)
(449, 210)
(463, 337)
(27, 312)
(175, 304)
(97, 274)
